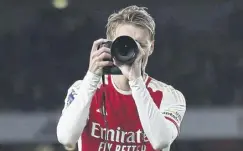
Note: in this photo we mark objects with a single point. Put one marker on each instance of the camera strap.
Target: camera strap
(103, 106)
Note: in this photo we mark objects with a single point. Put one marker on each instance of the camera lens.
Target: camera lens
(124, 49)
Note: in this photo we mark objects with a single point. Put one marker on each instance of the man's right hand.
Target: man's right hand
(98, 56)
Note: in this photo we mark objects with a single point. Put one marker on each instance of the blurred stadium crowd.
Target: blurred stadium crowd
(40, 60)
(198, 51)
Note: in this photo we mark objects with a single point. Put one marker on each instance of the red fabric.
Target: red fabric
(125, 130)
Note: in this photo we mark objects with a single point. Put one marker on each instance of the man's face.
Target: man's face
(140, 35)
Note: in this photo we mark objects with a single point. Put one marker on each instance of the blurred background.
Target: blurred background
(45, 45)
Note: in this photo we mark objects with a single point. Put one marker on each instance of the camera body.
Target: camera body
(124, 50)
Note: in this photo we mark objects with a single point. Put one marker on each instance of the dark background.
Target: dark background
(198, 50)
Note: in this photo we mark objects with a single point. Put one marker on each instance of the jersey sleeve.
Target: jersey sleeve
(173, 106)
(71, 94)
(76, 109)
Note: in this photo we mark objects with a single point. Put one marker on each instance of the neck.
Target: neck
(121, 82)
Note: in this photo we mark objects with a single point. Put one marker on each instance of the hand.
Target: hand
(132, 72)
(97, 57)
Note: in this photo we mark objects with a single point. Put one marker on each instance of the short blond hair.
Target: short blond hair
(134, 15)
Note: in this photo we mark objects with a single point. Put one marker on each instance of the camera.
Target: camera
(124, 50)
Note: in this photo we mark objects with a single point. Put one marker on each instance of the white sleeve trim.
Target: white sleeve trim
(76, 111)
(160, 131)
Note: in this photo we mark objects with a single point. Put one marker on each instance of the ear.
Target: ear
(151, 49)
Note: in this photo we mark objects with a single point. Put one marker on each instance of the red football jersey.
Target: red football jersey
(114, 124)
(124, 131)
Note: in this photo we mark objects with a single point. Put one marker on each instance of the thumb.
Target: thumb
(116, 63)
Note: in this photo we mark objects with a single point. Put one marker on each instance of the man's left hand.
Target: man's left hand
(132, 72)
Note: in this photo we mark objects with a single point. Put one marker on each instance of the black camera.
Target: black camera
(124, 50)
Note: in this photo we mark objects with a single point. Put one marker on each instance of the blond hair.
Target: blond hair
(134, 15)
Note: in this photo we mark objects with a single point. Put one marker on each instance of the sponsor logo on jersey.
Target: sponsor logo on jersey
(118, 139)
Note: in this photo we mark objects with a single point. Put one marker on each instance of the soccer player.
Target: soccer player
(138, 113)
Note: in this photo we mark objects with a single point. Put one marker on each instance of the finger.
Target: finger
(97, 43)
(114, 62)
(117, 63)
(139, 46)
(140, 56)
(141, 50)
(144, 63)
(104, 56)
(100, 51)
(104, 63)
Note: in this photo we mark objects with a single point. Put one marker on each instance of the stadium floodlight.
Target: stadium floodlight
(60, 4)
